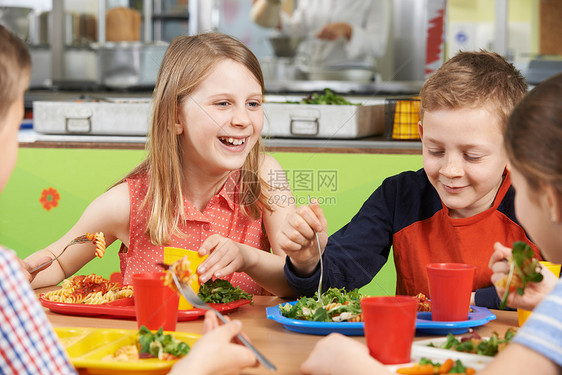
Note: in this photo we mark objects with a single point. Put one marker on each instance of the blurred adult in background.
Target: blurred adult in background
(335, 33)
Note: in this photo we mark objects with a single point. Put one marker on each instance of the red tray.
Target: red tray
(125, 309)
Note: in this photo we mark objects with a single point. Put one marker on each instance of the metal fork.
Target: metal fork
(321, 265)
(193, 298)
(77, 240)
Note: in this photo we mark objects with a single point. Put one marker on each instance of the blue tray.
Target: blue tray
(424, 324)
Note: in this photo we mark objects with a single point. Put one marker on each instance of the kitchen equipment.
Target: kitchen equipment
(94, 116)
(541, 69)
(401, 118)
(79, 29)
(343, 74)
(351, 72)
(129, 64)
(284, 45)
(188, 293)
(17, 20)
(278, 69)
(77, 240)
(81, 70)
(122, 24)
(323, 121)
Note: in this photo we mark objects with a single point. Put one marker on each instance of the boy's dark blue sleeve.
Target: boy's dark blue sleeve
(488, 297)
(356, 252)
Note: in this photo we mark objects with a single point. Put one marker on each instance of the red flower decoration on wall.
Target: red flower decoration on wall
(49, 198)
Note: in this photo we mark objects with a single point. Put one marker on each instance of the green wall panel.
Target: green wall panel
(341, 182)
(79, 176)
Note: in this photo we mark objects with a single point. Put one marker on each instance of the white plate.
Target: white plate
(420, 349)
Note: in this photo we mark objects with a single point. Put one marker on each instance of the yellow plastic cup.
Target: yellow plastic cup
(172, 254)
(523, 315)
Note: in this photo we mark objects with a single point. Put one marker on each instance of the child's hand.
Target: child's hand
(29, 265)
(225, 257)
(337, 354)
(216, 352)
(297, 236)
(534, 292)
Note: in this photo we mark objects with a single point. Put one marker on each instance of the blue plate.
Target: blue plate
(424, 324)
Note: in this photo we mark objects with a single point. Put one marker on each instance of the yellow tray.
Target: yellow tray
(87, 346)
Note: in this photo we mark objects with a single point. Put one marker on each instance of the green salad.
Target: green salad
(221, 291)
(476, 344)
(328, 97)
(159, 345)
(339, 306)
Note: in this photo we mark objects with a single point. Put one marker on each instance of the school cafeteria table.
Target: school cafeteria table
(286, 349)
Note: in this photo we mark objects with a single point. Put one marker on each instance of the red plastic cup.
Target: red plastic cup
(450, 286)
(390, 325)
(156, 305)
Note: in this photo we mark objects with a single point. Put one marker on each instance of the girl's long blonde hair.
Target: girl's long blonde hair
(187, 62)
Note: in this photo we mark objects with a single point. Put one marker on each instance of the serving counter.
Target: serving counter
(371, 145)
(286, 349)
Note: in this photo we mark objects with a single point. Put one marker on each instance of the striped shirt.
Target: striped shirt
(28, 343)
(542, 332)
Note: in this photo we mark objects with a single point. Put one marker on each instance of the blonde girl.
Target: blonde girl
(204, 185)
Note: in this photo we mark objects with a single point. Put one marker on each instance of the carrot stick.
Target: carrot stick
(446, 366)
(417, 370)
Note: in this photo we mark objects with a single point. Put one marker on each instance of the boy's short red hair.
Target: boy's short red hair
(474, 79)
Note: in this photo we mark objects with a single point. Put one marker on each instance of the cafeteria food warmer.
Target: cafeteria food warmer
(99, 116)
(131, 117)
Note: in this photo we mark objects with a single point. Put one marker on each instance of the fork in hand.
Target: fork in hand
(321, 265)
(77, 240)
(188, 293)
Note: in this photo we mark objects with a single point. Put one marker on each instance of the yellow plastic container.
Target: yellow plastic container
(172, 254)
(523, 315)
(87, 348)
(401, 118)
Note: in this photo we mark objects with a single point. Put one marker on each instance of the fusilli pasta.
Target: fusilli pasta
(98, 239)
(88, 289)
(182, 271)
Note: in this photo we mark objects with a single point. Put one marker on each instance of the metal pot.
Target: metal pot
(16, 19)
(80, 29)
(129, 64)
(349, 74)
(284, 46)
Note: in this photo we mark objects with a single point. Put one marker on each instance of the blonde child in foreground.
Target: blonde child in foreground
(533, 140)
(203, 184)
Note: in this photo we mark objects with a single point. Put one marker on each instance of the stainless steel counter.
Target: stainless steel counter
(32, 139)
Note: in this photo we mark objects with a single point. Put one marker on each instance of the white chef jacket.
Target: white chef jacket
(370, 20)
